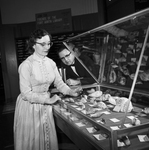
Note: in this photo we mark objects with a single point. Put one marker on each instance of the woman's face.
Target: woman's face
(42, 46)
(67, 57)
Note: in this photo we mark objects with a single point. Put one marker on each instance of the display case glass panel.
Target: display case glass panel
(115, 49)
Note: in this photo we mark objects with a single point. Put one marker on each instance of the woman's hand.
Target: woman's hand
(52, 100)
(75, 92)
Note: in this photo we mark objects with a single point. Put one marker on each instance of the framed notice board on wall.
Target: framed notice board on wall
(55, 21)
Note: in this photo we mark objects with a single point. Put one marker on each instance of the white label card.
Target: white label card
(91, 130)
(80, 124)
(127, 125)
(130, 117)
(143, 138)
(114, 120)
(99, 136)
(115, 128)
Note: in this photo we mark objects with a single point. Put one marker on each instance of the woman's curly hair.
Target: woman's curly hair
(37, 34)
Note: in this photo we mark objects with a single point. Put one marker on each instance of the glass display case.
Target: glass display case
(113, 113)
(116, 49)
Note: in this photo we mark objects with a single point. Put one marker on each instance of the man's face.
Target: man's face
(67, 57)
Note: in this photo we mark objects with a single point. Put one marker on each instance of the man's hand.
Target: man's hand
(73, 82)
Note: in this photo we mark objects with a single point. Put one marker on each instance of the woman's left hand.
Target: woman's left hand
(52, 100)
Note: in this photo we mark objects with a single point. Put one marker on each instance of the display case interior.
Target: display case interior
(95, 119)
(120, 52)
(115, 49)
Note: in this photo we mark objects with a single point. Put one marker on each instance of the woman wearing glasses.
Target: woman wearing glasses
(34, 127)
(75, 72)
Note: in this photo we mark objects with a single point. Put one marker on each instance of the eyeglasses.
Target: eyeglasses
(44, 44)
(66, 56)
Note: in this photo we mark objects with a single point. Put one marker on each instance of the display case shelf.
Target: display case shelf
(66, 111)
(116, 87)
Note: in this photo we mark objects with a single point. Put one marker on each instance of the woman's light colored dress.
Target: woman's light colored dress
(34, 127)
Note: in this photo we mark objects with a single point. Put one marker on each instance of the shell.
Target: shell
(96, 94)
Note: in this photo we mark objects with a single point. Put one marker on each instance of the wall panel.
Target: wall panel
(19, 11)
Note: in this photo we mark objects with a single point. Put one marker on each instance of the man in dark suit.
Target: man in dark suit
(75, 72)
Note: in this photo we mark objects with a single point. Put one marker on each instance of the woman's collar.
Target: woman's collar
(36, 57)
